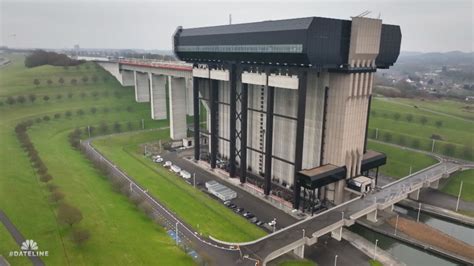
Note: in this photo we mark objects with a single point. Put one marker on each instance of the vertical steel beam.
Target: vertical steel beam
(269, 140)
(197, 142)
(299, 136)
(243, 132)
(233, 118)
(214, 101)
(323, 128)
(367, 123)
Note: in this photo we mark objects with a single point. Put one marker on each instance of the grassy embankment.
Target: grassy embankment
(399, 122)
(199, 210)
(118, 230)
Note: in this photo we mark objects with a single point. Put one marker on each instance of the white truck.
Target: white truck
(185, 174)
(176, 169)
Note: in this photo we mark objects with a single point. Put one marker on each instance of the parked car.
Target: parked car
(254, 220)
(239, 210)
(227, 203)
(168, 164)
(158, 160)
(176, 169)
(185, 174)
(260, 223)
(232, 206)
(249, 215)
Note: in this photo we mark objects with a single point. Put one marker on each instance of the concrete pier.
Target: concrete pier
(142, 87)
(177, 94)
(158, 97)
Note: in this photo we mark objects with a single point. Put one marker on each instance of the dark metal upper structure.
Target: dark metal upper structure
(312, 41)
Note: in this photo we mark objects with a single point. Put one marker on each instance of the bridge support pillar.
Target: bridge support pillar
(372, 216)
(435, 184)
(142, 87)
(415, 195)
(177, 95)
(337, 234)
(128, 78)
(189, 97)
(158, 96)
(299, 251)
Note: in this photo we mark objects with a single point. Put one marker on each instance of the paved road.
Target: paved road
(19, 239)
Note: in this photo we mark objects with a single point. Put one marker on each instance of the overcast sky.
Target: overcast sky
(427, 26)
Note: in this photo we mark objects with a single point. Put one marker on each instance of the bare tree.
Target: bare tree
(69, 214)
(36, 82)
(80, 236)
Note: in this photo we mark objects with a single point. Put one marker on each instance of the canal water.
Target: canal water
(414, 256)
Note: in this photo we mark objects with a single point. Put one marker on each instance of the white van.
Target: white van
(175, 168)
(168, 164)
(185, 174)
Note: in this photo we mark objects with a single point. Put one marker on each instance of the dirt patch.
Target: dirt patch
(433, 237)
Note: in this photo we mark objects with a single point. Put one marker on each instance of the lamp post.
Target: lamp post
(194, 180)
(418, 216)
(459, 196)
(176, 233)
(375, 248)
(396, 225)
(335, 260)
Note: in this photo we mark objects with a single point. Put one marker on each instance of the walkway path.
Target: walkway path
(19, 239)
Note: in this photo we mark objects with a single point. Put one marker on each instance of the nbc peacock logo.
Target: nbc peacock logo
(29, 248)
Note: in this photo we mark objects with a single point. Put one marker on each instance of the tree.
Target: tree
(415, 143)
(117, 127)
(46, 118)
(373, 113)
(103, 127)
(409, 117)
(467, 152)
(49, 82)
(56, 196)
(68, 113)
(21, 99)
(46, 178)
(396, 116)
(61, 81)
(83, 95)
(95, 94)
(129, 125)
(402, 140)
(423, 120)
(32, 98)
(56, 116)
(105, 78)
(46, 98)
(93, 110)
(94, 79)
(449, 149)
(11, 100)
(85, 79)
(129, 109)
(105, 109)
(387, 136)
(69, 214)
(80, 112)
(59, 96)
(73, 81)
(80, 236)
(52, 187)
(439, 123)
(70, 94)
(36, 82)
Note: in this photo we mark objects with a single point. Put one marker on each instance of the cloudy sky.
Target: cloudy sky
(427, 26)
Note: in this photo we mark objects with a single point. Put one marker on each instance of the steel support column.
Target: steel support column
(323, 128)
(197, 137)
(269, 140)
(232, 118)
(299, 136)
(243, 131)
(367, 123)
(214, 99)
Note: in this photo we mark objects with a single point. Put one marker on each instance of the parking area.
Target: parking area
(256, 211)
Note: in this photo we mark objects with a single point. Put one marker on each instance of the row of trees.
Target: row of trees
(447, 149)
(66, 213)
(40, 57)
(408, 117)
(73, 81)
(21, 99)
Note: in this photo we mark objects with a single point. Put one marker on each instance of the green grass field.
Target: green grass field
(208, 216)
(118, 230)
(400, 160)
(454, 183)
(448, 120)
